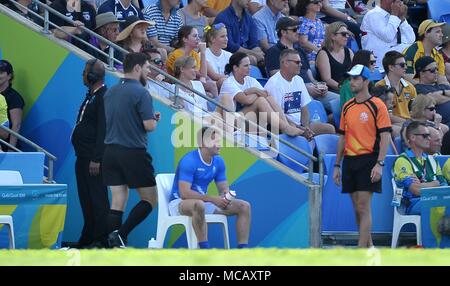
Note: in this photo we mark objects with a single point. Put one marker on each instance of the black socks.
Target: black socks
(140, 211)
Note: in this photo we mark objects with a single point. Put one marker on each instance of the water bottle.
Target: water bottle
(231, 195)
(152, 243)
(316, 117)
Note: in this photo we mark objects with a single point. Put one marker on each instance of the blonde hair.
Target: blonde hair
(419, 104)
(211, 33)
(180, 63)
(329, 32)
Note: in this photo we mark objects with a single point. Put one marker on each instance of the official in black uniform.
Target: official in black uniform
(88, 142)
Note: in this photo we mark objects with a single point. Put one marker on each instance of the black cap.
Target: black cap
(286, 22)
(421, 64)
(5, 66)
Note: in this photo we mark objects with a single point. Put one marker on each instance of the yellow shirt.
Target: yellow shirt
(446, 171)
(3, 109)
(416, 51)
(401, 101)
(173, 56)
(218, 5)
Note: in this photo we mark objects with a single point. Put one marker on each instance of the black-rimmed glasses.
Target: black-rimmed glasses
(343, 34)
(295, 61)
(433, 70)
(424, 135)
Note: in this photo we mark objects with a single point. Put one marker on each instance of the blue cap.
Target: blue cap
(360, 70)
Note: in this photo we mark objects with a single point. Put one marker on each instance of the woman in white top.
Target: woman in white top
(250, 97)
(217, 40)
(185, 71)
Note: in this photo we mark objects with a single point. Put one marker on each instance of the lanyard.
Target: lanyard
(88, 100)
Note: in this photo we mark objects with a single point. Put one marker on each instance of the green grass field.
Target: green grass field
(216, 257)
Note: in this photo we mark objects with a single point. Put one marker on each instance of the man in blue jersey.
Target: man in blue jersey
(194, 173)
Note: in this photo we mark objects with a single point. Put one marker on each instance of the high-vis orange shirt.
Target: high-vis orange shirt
(218, 5)
(362, 123)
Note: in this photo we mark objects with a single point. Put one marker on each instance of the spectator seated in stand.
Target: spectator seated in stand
(292, 97)
(216, 56)
(83, 15)
(311, 31)
(14, 100)
(287, 33)
(426, 72)
(423, 109)
(107, 26)
(133, 37)
(385, 28)
(266, 19)
(242, 31)
(404, 92)
(251, 99)
(191, 15)
(122, 9)
(334, 59)
(430, 37)
(187, 42)
(157, 84)
(168, 22)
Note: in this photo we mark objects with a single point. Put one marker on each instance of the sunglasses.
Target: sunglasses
(217, 26)
(431, 108)
(430, 70)
(424, 135)
(402, 65)
(343, 34)
(373, 62)
(294, 61)
(292, 29)
(157, 61)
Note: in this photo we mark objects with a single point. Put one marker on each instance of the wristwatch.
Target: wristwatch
(381, 163)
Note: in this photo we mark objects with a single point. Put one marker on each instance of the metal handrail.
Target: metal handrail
(50, 156)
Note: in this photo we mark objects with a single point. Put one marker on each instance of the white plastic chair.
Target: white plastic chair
(400, 220)
(10, 178)
(8, 221)
(164, 184)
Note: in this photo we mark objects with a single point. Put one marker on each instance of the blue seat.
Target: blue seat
(326, 143)
(352, 44)
(317, 106)
(255, 72)
(398, 144)
(376, 75)
(336, 109)
(299, 142)
(262, 81)
(390, 150)
(438, 8)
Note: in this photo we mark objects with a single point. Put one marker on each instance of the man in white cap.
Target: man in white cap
(430, 37)
(364, 138)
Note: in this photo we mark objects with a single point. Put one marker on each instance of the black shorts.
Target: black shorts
(356, 172)
(127, 166)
